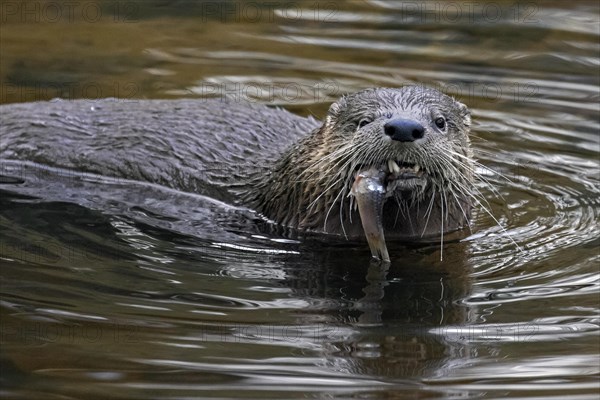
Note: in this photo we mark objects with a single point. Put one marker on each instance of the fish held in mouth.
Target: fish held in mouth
(369, 190)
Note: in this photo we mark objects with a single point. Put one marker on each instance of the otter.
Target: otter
(296, 172)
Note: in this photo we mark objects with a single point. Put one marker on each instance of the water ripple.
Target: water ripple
(138, 291)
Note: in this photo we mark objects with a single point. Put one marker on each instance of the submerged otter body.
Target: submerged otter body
(296, 171)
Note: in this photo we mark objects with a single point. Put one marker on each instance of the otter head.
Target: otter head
(415, 138)
(418, 135)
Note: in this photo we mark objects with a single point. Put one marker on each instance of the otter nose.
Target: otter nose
(404, 130)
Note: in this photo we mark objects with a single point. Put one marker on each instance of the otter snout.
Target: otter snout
(404, 130)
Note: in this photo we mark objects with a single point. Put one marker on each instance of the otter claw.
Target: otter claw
(369, 191)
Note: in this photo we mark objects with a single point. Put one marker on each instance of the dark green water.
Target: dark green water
(137, 292)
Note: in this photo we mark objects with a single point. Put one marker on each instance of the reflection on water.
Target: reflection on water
(136, 291)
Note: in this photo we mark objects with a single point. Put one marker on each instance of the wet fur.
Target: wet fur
(295, 171)
(314, 177)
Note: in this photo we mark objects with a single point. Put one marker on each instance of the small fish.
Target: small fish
(369, 190)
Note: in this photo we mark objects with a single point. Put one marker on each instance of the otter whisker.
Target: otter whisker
(326, 191)
(335, 180)
(343, 194)
(428, 211)
(487, 211)
(442, 230)
(315, 169)
(478, 164)
(452, 192)
(398, 203)
(329, 211)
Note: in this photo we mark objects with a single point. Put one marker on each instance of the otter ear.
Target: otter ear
(334, 108)
(464, 112)
(334, 111)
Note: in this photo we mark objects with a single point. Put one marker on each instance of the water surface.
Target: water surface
(138, 292)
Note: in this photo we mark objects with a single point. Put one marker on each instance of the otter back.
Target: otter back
(201, 146)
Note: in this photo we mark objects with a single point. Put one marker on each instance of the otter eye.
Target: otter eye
(440, 122)
(363, 122)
